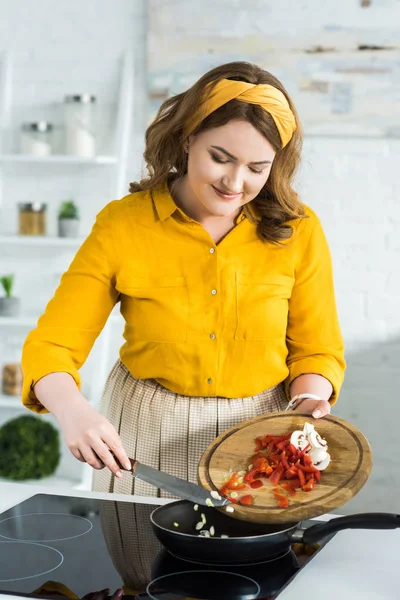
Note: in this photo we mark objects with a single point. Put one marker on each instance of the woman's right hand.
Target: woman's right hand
(91, 438)
(88, 434)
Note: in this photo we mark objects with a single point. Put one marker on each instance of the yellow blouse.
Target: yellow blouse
(229, 320)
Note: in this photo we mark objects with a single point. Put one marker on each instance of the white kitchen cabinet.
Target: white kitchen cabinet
(20, 248)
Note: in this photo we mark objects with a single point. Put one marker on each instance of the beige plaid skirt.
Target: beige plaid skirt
(168, 431)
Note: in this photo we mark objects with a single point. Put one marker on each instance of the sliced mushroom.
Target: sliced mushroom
(299, 440)
(316, 440)
(318, 455)
(308, 428)
(322, 465)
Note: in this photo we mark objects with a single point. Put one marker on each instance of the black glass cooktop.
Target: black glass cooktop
(63, 547)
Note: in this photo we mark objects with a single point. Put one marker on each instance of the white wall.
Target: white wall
(353, 184)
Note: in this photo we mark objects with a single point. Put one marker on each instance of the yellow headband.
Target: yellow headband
(266, 96)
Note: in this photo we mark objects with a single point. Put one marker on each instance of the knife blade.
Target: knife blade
(179, 487)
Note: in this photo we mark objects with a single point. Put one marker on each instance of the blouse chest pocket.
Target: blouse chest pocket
(262, 306)
(156, 309)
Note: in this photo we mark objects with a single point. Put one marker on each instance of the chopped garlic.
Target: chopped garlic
(249, 468)
(196, 507)
(234, 494)
(209, 502)
(224, 536)
(176, 524)
(230, 509)
(241, 474)
(204, 533)
(240, 480)
(215, 495)
(203, 517)
(199, 525)
(212, 530)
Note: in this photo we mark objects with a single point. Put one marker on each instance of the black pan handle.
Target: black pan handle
(317, 532)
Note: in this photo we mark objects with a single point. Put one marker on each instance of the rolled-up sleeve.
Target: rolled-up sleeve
(314, 339)
(76, 315)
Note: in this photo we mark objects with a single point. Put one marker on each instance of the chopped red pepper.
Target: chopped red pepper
(293, 483)
(307, 460)
(308, 469)
(259, 444)
(256, 484)
(317, 475)
(286, 467)
(275, 477)
(234, 500)
(293, 449)
(302, 477)
(250, 475)
(246, 500)
(309, 485)
(291, 473)
(283, 502)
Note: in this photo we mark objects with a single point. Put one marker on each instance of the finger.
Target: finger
(75, 452)
(322, 409)
(105, 455)
(91, 457)
(101, 595)
(118, 451)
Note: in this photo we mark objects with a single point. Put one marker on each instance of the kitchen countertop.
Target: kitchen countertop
(355, 564)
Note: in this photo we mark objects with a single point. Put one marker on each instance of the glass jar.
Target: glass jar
(32, 218)
(36, 138)
(11, 372)
(11, 380)
(80, 134)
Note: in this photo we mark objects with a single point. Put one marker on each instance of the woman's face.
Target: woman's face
(227, 167)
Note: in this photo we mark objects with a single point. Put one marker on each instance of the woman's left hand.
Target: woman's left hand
(316, 408)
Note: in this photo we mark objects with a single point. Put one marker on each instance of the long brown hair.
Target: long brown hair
(166, 159)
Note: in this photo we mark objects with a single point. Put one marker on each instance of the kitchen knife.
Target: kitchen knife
(174, 485)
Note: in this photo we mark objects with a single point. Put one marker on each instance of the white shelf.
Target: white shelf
(59, 159)
(53, 481)
(18, 321)
(13, 402)
(40, 240)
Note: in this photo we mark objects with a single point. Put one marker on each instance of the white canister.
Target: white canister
(80, 136)
(36, 138)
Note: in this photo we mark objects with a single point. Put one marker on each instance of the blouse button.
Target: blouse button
(209, 380)
(213, 292)
(212, 250)
(212, 336)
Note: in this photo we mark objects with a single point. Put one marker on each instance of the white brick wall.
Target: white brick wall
(353, 184)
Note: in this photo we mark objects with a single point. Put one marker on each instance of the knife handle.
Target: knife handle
(134, 465)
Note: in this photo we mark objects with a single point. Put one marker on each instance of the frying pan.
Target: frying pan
(247, 542)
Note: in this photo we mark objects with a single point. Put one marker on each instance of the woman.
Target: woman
(224, 279)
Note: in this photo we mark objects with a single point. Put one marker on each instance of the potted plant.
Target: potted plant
(9, 306)
(29, 449)
(68, 219)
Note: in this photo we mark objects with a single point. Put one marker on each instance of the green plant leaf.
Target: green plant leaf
(7, 283)
(68, 210)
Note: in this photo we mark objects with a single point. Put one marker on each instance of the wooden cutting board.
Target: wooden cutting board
(349, 469)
